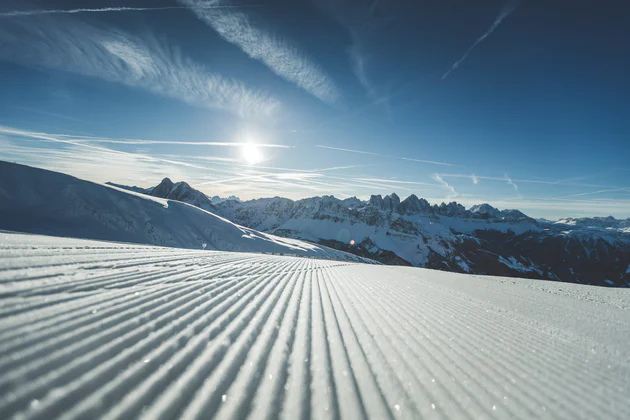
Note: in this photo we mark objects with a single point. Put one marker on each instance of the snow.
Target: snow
(463, 264)
(103, 330)
(45, 202)
(516, 265)
(408, 247)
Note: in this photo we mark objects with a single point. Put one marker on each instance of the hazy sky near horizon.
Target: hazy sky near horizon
(521, 104)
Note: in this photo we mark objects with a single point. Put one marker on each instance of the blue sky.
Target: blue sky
(518, 104)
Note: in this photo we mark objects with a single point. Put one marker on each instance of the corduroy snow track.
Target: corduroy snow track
(115, 331)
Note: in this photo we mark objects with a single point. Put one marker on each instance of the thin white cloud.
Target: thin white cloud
(337, 168)
(91, 139)
(510, 182)
(359, 62)
(96, 165)
(64, 141)
(348, 150)
(431, 162)
(525, 181)
(357, 183)
(446, 185)
(597, 192)
(47, 113)
(474, 178)
(71, 46)
(508, 8)
(40, 12)
(235, 174)
(392, 181)
(212, 158)
(364, 28)
(69, 156)
(298, 176)
(277, 54)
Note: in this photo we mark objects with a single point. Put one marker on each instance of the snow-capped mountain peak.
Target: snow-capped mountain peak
(484, 209)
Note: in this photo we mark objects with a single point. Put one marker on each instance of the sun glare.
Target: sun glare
(252, 154)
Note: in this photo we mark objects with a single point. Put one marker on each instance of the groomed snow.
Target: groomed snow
(102, 330)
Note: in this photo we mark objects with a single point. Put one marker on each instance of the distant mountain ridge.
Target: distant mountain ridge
(480, 240)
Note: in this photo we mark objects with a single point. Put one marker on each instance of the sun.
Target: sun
(252, 154)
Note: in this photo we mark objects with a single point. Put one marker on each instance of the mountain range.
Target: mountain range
(479, 240)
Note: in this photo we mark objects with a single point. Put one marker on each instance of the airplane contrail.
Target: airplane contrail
(505, 12)
(113, 9)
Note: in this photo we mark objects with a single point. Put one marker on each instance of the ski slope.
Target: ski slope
(103, 330)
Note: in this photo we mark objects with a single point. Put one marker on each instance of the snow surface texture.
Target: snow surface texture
(101, 330)
(38, 201)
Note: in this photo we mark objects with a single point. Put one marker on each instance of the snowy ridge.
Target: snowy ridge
(94, 329)
(38, 201)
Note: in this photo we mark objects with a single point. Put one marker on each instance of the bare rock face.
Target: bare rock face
(163, 189)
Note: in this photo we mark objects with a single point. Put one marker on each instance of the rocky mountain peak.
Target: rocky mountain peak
(352, 203)
(484, 210)
(181, 191)
(414, 205)
(376, 201)
(452, 209)
(163, 189)
(391, 202)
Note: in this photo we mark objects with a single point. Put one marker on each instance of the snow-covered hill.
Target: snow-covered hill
(39, 201)
(117, 331)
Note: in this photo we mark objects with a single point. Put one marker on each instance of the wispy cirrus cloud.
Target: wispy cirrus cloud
(508, 8)
(364, 26)
(96, 165)
(431, 162)
(452, 193)
(87, 160)
(40, 12)
(513, 181)
(393, 181)
(284, 59)
(66, 141)
(142, 62)
(361, 152)
(92, 139)
(510, 182)
(624, 189)
(340, 149)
